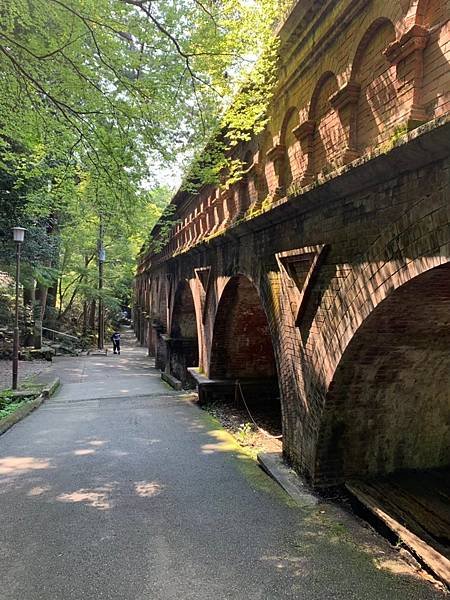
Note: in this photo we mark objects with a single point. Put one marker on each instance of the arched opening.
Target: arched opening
(183, 340)
(244, 191)
(433, 14)
(328, 137)
(266, 167)
(378, 101)
(289, 141)
(388, 407)
(242, 357)
(430, 12)
(159, 322)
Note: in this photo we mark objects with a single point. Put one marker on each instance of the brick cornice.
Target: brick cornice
(299, 43)
(346, 96)
(304, 130)
(414, 39)
(254, 169)
(277, 151)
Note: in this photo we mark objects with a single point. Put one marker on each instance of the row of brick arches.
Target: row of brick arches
(386, 407)
(318, 283)
(242, 360)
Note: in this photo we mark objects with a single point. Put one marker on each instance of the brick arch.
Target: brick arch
(183, 322)
(161, 291)
(244, 198)
(242, 351)
(312, 109)
(183, 343)
(387, 406)
(428, 12)
(364, 43)
(266, 167)
(434, 94)
(328, 136)
(241, 344)
(377, 104)
(289, 143)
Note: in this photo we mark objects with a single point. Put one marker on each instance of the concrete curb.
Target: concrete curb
(7, 422)
(172, 381)
(274, 465)
(51, 388)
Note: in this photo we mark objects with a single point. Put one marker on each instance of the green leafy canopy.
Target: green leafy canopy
(98, 95)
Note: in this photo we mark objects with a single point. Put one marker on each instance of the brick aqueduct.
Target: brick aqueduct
(321, 281)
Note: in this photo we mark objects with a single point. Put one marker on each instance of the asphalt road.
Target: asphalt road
(120, 489)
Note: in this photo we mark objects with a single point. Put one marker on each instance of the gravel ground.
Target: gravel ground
(266, 436)
(26, 370)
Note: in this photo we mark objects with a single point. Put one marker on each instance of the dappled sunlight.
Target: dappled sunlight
(224, 443)
(98, 498)
(399, 567)
(91, 442)
(294, 564)
(19, 465)
(118, 453)
(148, 489)
(196, 427)
(38, 490)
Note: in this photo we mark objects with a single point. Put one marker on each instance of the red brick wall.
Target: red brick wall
(436, 81)
(241, 346)
(388, 405)
(350, 41)
(328, 139)
(377, 106)
(184, 320)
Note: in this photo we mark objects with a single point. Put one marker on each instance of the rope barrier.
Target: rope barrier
(273, 437)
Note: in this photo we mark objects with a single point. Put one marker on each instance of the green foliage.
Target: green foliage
(245, 114)
(245, 434)
(9, 403)
(96, 96)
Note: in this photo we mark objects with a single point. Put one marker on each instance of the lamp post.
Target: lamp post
(18, 236)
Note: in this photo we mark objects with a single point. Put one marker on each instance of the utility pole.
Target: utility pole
(101, 260)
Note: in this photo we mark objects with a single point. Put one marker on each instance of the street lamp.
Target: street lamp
(18, 236)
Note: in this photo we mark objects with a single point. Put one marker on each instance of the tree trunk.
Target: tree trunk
(29, 293)
(84, 318)
(41, 298)
(92, 315)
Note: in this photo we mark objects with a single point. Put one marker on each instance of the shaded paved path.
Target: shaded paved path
(107, 493)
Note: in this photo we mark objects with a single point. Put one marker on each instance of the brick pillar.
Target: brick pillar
(412, 43)
(227, 199)
(253, 185)
(305, 135)
(277, 155)
(345, 102)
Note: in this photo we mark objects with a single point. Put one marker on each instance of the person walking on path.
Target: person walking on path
(115, 338)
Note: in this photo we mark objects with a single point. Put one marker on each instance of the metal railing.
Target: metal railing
(52, 334)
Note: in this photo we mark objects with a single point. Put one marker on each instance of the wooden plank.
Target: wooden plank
(414, 507)
(404, 510)
(438, 563)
